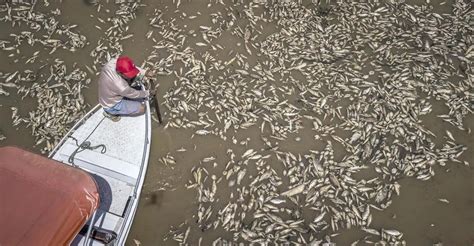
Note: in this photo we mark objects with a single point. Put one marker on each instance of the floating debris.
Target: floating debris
(358, 78)
(371, 70)
(110, 45)
(443, 200)
(60, 104)
(168, 160)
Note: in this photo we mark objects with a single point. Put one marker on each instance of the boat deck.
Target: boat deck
(120, 190)
(124, 141)
(118, 171)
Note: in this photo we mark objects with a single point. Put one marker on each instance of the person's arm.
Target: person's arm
(124, 90)
(132, 93)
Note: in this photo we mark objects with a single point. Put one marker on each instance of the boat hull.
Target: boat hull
(116, 154)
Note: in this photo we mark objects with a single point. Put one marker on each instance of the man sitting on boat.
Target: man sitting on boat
(116, 94)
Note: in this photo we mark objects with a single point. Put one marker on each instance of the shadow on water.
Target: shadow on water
(155, 198)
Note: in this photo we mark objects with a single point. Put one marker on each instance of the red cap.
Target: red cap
(126, 67)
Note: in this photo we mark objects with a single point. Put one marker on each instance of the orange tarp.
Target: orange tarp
(42, 201)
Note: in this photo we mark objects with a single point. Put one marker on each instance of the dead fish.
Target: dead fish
(294, 191)
(443, 200)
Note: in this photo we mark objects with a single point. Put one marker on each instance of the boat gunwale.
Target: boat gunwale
(132, 209)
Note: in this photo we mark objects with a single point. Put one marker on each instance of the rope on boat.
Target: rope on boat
(83, 146)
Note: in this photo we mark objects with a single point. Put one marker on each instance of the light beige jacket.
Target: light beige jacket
(113, 88)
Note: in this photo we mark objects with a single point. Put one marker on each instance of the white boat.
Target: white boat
(118, 164)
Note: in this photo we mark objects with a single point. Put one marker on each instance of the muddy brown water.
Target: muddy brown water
(165, 202)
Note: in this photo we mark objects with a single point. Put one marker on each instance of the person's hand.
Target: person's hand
(150, 74)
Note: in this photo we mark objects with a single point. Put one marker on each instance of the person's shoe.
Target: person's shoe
(112, 117)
